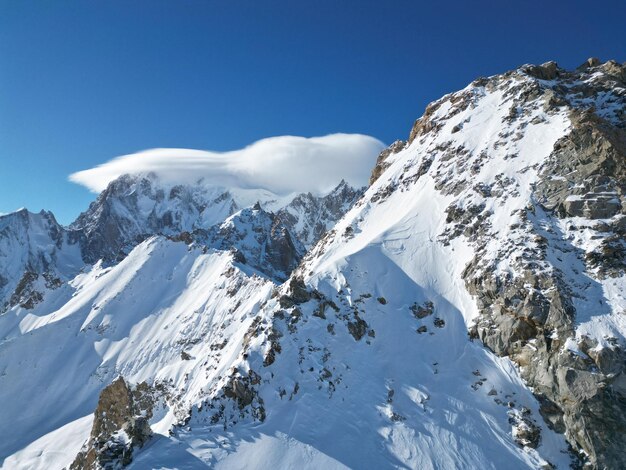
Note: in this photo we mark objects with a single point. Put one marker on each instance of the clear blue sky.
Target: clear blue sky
(82, 82)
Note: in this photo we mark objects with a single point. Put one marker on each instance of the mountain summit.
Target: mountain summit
(464, 311)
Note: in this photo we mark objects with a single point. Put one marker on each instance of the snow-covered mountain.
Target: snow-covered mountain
(466, 312)
(37, 253)
(133, 208)
(260, 240)
(309, 217)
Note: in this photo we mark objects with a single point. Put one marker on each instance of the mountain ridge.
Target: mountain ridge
(465, 312)
(135, 207)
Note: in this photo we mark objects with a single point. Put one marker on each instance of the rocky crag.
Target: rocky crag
(574, 244)
(121, 424)
(537, 284)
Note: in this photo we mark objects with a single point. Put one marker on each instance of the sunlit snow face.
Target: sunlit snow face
(280, 164)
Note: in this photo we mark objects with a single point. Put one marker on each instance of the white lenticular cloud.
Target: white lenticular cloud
(282, 165)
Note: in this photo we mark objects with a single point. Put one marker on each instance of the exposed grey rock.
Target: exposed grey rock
(422, 311)
(547, 71)
(529, 316)
(525, 431)
(586, 172)
(36, 254)
(297, 293)
(586, 177)
(260, 240)
(240, 390)
(381, 161)
(133, 208)
(529, 321)
(121, 424)
(590, 62)
(309, 217)
(357, 328)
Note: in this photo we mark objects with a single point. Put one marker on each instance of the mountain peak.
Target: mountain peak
(261, 241)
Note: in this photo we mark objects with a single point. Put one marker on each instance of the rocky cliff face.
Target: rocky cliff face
(381, 161)
(121, 424)
(309, 217)
(572, 250)
(36, 253)
(133, 208)
(259, 239)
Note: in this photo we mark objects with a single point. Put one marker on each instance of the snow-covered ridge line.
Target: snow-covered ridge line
(479, 201)
(489, 227)
(133, 208)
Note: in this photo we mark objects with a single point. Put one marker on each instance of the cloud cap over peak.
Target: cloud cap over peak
(283, 164)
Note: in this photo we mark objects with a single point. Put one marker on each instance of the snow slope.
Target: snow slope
(55, 359)
(405, 391)
(363, 358)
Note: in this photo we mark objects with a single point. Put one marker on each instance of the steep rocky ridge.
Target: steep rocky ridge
(514, 187)
(309, 217)
(259, 239)
(36, 253)
(381, 161)
(571, 252)
(121, 424)
(133, 208)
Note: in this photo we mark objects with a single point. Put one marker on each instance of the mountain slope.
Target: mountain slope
(466, 312)
(458, 219)
(56, 358)
(64, 314)
(503, 164)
